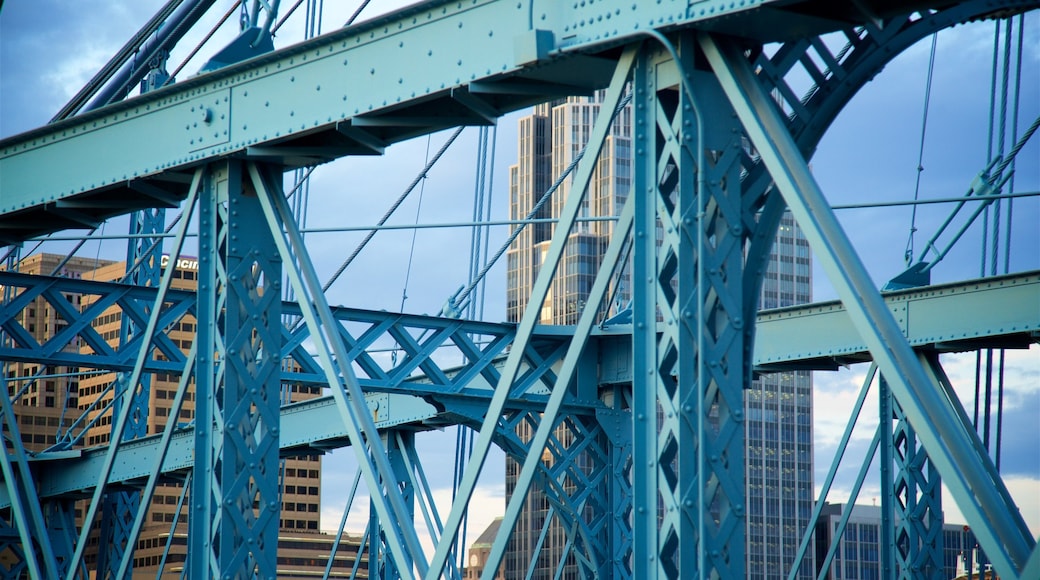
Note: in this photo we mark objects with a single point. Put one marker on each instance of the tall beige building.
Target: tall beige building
(550, 139)
(48, 405)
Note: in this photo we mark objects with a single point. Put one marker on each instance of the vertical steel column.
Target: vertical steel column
(208, 375)
(617, 430)
(689, 372)
(235, 493)
(888, 496)
(26, 520)
(25, 511)
(143, 262)
(386, 567)
(918, 501)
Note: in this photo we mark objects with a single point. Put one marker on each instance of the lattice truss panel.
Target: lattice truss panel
(451, 356)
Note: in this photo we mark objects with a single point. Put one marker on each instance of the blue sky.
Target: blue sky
(49, 48)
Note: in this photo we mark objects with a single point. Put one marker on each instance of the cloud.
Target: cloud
(1024, 491)
(835, 394)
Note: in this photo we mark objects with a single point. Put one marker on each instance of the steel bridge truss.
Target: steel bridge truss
(646, 470)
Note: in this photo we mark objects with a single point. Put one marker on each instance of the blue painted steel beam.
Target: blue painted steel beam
(132, 382)
(387, 500)
(991, 312)
(525, 329)
(312, 426)
(23, 501)
(477, 344)
(366, 87)
(567, 373)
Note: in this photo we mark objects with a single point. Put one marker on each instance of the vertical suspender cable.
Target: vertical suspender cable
(985, 214)
(909, 254)
(1007, 230)
(411, 250)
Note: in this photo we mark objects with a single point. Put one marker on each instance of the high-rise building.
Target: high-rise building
(550, 140)
(62, 395)
(779, 437)
(779, 458)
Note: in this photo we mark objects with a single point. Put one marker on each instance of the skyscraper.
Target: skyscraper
(550, 140)
(778, 406)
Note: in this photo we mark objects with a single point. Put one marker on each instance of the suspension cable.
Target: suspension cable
(422, 175)
(356, 13)
(415, 232)
(1007, 233)
(908, 255)
(457, 301)
(201, 43)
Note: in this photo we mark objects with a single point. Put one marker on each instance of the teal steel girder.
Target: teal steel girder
(307, 427)
(917, 499)
(1001, 311)
(386, 499)
(356, 91)
(381, 563)
(570, 452)
(18, 485)
(144, 264)
(471, 346)
(806, 122)
(236, 494)
(585, 456)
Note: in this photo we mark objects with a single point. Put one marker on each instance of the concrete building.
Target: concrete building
(779, 407)
(858, 556)
(479, 551)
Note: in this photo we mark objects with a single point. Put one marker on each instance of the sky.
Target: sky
(50, 48)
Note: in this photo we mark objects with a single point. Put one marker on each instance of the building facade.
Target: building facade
(779, 457)
(549, 141)
(46, 397)
(779, 436)
(858, 553)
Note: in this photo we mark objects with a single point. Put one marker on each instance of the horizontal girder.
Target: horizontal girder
(306, 427)
(992, 312)
(452, 355)
(996, 312)
(356, 91)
